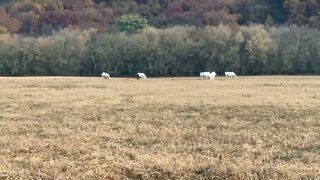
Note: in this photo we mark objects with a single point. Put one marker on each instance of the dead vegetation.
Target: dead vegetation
(91, 128)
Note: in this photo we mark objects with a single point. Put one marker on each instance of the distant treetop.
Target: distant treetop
(43, 16)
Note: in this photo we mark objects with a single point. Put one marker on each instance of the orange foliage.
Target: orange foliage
(12, 24)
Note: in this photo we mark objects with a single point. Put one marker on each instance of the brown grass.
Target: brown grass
(163, 128)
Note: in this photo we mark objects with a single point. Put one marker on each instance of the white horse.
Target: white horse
(141, 76)
(105, 75)
(213, 75)
(204, 75)
(208, 75)
(230, 74)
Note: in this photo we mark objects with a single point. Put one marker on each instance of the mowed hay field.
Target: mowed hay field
(162, 128)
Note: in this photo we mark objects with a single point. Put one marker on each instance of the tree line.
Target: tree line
(175, 51)
(43, 16)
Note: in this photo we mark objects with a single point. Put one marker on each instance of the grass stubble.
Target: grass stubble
(162, 128)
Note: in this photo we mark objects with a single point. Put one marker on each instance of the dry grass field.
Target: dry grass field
(163, 128)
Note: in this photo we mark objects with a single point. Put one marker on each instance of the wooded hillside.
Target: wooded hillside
(159, 37)
(41, 16)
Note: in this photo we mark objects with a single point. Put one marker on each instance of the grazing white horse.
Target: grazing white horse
(213, 75)
(230, 74)
(207, 75)
(105, 75)
(141, 76)
(204, 75)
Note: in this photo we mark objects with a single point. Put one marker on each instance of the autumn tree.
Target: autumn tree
(130, 23)
(3, 30)
(302, 12)
(220, 17)
(91, 18)
(7, 22)
(57, 19)
(200, 13)
(254, 49)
